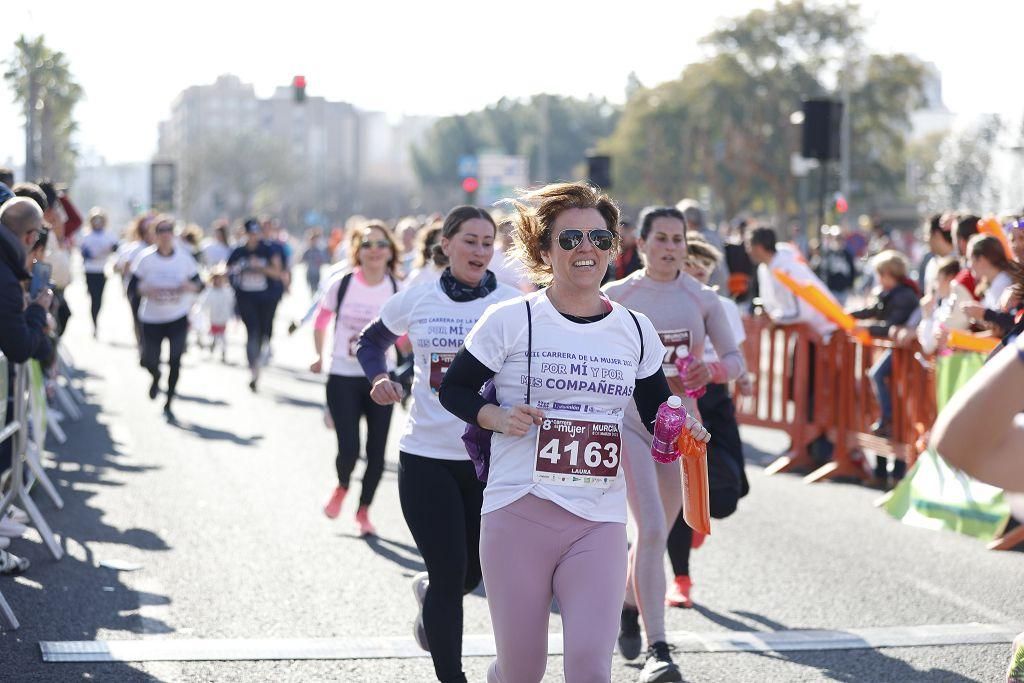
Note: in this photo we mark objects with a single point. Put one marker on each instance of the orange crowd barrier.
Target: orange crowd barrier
(795, 369)
(784, 396)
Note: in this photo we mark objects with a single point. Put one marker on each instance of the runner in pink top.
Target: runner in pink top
(684, 313)
(352, 301)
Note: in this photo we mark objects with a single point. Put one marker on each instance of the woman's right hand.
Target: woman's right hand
(517, 420)
(386, 392)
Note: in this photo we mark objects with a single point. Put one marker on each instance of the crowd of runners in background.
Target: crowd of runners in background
(433, 307)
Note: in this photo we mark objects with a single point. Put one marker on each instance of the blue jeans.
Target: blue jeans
(879, 374)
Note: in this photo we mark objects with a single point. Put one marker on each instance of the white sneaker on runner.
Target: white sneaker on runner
(420, 582)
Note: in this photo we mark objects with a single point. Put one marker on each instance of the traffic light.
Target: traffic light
(299, 89)
(470, 185)
(842, 206)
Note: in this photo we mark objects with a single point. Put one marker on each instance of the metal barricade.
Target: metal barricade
(11, 431)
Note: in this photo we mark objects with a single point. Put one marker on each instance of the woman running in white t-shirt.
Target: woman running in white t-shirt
(352, 301)
(437, 484)
(165, 277)
(566, 365)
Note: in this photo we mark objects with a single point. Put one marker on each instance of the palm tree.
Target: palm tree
(47, 92)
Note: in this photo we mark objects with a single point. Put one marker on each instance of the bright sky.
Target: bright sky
(443, 57)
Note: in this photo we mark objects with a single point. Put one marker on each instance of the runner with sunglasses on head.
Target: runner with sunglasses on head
(684, 313)
(437, 483)
(165, 277)
(353, 301)
(253, 266)
(566, 365)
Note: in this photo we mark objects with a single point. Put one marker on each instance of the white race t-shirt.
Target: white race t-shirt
(215, 252)
(167, 276)
(732, 314)
(578, 372)
(361, 305)
(97, 246)
(437, 327)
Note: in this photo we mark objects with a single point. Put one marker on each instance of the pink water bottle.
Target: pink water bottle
(667, 428)
(682, 364)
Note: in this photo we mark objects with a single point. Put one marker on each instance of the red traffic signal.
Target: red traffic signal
(842, 206)
(470, 185)
(299, 88)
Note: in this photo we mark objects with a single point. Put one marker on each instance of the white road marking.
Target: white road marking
(152, 649)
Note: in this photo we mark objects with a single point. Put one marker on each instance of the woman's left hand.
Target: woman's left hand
(698, 374)
(696, 429)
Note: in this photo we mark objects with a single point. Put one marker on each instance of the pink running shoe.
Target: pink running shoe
(679, 592)
(333, 507)
(363, 520)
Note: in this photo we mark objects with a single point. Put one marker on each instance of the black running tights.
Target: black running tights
(441, 502)
(153, 335)
(348, 399)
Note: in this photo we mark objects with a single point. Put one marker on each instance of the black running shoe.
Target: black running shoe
(168, 415)
(629, 633)
(659, 667)
(154, 388)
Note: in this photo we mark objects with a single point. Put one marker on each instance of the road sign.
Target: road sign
(467, 166)
(500, 175)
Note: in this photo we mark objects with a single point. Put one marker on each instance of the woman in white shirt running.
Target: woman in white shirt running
(437, 483)
(566, 364)
(96, 248)
(165, 277)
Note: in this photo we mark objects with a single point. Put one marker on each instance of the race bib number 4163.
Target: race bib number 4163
(577, 453)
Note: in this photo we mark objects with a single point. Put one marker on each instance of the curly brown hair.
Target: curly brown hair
(535, 216)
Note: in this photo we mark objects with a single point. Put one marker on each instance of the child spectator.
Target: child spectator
(895, 306)
(217, 302)
(939, 309)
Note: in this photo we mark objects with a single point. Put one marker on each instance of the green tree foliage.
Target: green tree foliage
(723, 127)
(515, 127)
(43, 86)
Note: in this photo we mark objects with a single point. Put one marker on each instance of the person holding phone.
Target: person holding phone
(165, 276)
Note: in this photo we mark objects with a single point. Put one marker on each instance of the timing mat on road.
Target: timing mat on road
(190, 650)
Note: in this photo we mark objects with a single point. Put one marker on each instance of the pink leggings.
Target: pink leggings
(533, 550)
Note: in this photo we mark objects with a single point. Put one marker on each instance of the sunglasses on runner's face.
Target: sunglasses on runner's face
(164, 228)
(572, 238)
(380, 244)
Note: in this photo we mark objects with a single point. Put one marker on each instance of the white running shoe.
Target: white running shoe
(4, 542)
(419, 591)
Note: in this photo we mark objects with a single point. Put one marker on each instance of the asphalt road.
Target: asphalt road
(222, 514)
